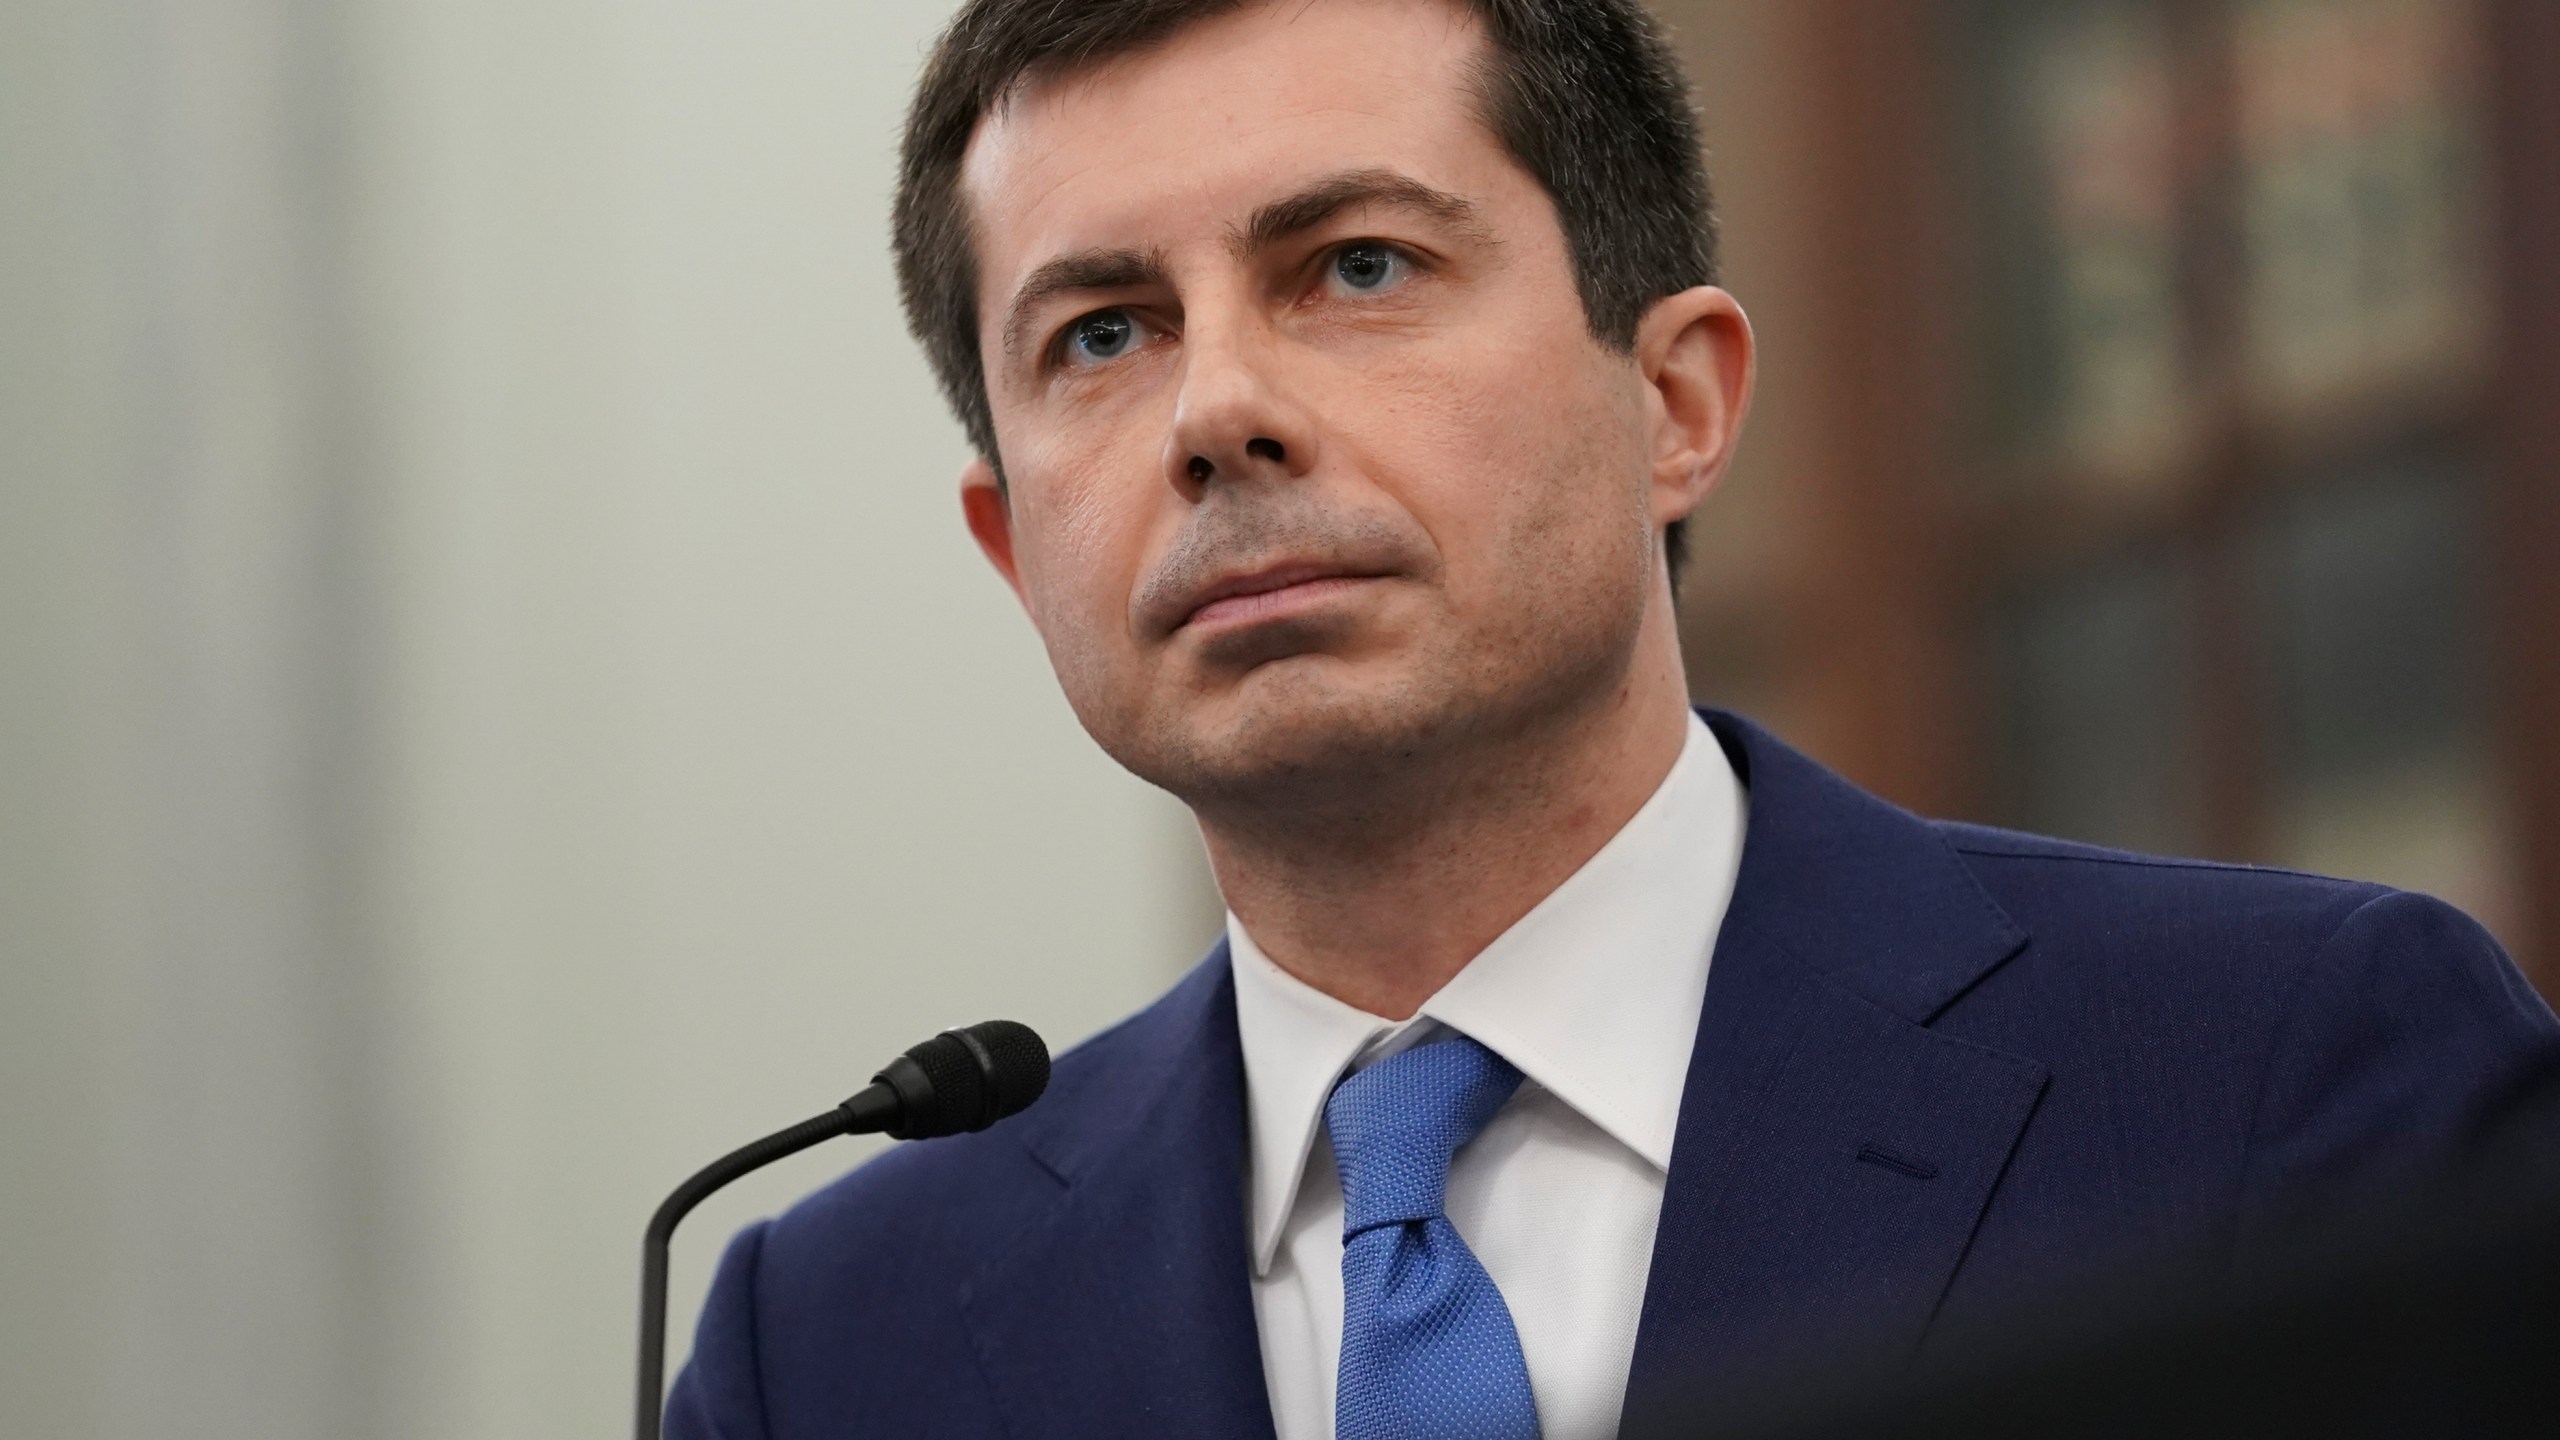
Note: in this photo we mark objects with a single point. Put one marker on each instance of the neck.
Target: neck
(1382, 909)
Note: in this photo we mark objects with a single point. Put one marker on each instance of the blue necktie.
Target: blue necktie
(1428, 1348)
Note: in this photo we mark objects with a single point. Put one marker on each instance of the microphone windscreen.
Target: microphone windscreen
(1017, 1064)
(972, 1078)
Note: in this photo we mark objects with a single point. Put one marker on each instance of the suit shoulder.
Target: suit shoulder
(2241, 943)
(2261, 939)
(1989, 842)
(2068, 879)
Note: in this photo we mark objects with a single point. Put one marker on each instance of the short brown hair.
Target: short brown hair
(1585, 94)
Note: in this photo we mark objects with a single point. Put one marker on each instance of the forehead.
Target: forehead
(1171, 145)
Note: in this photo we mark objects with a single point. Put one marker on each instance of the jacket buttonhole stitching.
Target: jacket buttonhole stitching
(1901, 1165)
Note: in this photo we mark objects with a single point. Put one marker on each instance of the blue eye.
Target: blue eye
(1102, 335)
(1368, 267)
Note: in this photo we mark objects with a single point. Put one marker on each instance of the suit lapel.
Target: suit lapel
(1127, 1310)
(1833, 1153)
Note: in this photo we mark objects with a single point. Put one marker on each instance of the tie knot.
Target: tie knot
(1396, 1125)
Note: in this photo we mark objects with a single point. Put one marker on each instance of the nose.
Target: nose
(1233, 420)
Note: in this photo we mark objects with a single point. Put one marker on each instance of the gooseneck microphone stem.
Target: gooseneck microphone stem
(662, 1230)
(960, 1080)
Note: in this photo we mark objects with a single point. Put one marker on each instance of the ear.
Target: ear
(990, 516)
(1694, 351)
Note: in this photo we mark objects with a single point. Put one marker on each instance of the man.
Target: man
(1341, 373)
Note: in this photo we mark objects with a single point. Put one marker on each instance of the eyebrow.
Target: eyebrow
(1349, 190)
(1084, 270)
(1269, 225)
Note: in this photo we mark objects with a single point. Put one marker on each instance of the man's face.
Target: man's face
(1314, 468)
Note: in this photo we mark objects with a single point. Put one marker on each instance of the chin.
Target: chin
(1292, 725)
(1322, 732)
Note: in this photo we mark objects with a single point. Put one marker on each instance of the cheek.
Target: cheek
(1085, 499)
(1519, 461)
(1082, 530)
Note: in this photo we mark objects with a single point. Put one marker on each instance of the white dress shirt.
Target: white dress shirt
(1594, 995)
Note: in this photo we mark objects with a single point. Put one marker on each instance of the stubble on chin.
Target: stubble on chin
(1311, 742)
(1296, 738)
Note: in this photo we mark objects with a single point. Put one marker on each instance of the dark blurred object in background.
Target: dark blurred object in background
(2158, 443)
(2436, 1315)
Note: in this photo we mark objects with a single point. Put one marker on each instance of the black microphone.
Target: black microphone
(960, 1080)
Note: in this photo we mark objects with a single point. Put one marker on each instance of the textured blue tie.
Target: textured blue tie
(1428, 1348)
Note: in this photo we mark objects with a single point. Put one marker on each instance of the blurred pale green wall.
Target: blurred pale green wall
(496, 705)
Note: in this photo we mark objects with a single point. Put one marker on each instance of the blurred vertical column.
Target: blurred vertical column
(182, 620)
(1826, 593)
(2524, 49)
(2357, 308)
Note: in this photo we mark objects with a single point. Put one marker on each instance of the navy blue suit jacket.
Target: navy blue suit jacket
(1936, 1064)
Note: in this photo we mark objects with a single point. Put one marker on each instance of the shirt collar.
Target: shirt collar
(1594, 994)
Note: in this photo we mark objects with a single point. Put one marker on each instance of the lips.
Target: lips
(1267, 591)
